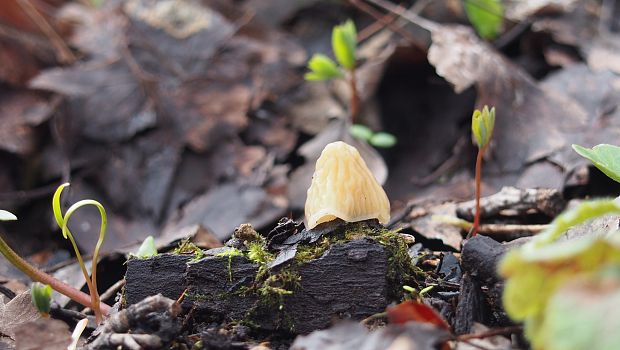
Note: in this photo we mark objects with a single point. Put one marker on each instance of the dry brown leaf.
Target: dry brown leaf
(50, 334)
(16, 312)
(20, 112)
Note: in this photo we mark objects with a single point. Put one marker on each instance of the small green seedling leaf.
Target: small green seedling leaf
(7, 216)
(482, 124)
(41, 297)
(486, 16)
(383, 140)
(322, 68)
(147, 248)
(605, 157)
(344, 44)
(361, 132)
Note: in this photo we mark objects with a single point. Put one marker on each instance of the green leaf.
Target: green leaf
(538, 270)
(41, 297)
(147, 248)
(582, 313)
(486, 16)
(322, 68)
(482, 124)
(383, 140)
(361, 132)
(7, 216)
(605, 157)
(344, 44)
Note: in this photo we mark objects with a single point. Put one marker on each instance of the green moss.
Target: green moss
(187, 247)
(230, 253)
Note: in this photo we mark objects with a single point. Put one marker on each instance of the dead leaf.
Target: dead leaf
(435, 229)
(109, 102)
(222, 209)
(209, 112)
(175, 38)
(350, 335)
(50, 334)
(518, 11)
(414, 311)
(16, 312)
(20, 112)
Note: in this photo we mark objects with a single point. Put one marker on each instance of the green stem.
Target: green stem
(354, 104)
(40, 276)
(91, 280)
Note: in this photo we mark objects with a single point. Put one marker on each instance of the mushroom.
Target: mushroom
(343, 187)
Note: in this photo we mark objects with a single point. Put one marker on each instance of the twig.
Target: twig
(511, 229)
(373, 317)
(385, 20)
(408, 15)
(354, 95)
(63, 53)
(490, 333)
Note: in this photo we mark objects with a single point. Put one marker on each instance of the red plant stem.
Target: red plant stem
(40, 276)
(354, 96)
(474, 230)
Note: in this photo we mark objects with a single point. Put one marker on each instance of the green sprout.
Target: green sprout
(147, 248)
(62, 222)
(41, 297)
(482, 124)
(344, 47)
(486, 16)
(39, 276)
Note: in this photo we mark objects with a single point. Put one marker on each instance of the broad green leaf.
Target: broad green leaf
(322, 68)
(536, 271)
(361, 132)
(486, 16)
(7, 216)
(605, 157)
(383, 140)
(147, 248)
(344, 44)
(41, 297)
(482, 124)
(584, 314)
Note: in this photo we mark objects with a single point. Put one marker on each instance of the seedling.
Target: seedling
(41, 298)
(62, 222)
(40, 276)
(482, 124)
(344, 46)
(147, 248)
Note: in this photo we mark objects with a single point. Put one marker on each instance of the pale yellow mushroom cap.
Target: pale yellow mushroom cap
(343, 187)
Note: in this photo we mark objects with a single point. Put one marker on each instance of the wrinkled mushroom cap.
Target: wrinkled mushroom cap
(343, 187)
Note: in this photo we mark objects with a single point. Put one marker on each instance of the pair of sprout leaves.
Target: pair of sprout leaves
(344, 46)
(567, 293)
(42, 294)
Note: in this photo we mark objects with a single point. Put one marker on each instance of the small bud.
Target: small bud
(41, 297)
(322, 68)
(482, 124)
(344, 44)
